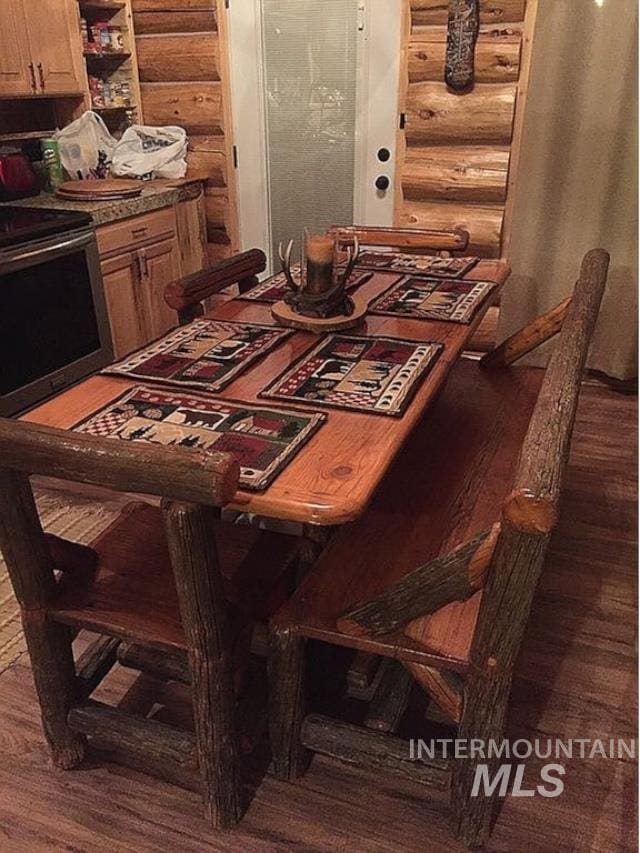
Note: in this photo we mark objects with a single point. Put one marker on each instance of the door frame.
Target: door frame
(378, 68)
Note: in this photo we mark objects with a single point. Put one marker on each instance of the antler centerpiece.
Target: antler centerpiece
(321, 291)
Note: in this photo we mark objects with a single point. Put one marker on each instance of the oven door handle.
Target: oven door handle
(45, 251)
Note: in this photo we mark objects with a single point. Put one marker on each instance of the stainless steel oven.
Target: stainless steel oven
(54, 328)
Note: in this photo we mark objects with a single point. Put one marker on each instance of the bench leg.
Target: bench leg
(53, 670)
(286, 703)
(484, 718)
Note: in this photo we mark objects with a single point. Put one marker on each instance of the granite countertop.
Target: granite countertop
(155, 194)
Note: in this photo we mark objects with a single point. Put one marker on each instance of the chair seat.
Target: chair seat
(447, 485)
(132, 594)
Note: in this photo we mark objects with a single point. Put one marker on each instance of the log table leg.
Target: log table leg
(314, 541)
(286, 703)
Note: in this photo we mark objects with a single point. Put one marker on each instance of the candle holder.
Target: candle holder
(321, 291)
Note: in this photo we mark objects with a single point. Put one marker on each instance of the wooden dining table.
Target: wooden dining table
(333, 478)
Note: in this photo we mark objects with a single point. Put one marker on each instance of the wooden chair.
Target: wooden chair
(177, 584)
(472, 501)
(187, 294)
(440, 241)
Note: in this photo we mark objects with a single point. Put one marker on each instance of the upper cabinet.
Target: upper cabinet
(40, 49)
(17, 71)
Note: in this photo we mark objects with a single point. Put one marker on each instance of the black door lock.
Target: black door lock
(382, 182)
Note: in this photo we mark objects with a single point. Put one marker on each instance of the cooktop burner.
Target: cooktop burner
(25, 224)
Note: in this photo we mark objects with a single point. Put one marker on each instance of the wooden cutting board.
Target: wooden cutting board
(90, 190)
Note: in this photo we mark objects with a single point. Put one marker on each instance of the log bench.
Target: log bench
(439, 576)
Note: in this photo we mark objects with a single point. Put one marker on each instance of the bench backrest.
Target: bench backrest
(530, 510)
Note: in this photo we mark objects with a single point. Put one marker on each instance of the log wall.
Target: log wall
(456, 151)
(184, 81)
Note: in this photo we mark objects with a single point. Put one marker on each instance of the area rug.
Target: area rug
(417, 264)
(375, 375)
(263, 440)
(205, 354)
(275, 288)
(73, 517)
(454, 299)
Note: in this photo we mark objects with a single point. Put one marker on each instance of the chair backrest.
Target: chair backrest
(404, 239)
(187, 294)
(190, 481)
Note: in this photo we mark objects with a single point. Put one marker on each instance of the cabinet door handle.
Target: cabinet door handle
(41, 75)
(142, 257)
(136, 267)
(139, 232)
(32, 72)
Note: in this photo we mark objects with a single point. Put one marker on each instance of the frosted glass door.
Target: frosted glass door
(310, 80)
(314, 98)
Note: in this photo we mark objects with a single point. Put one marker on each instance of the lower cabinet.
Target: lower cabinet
(139, 258)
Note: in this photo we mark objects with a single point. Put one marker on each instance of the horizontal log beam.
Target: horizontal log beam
(491, 11)
(542, 329)
(475, 173)
(497, 60)
(356, 745)
(197, 107)
(115, 729)
(455, 576)
(531, 506)
(171, 5)
(166, 58)
(212, 164)
(154, 23)
(206, 477)
(482, 222)
(434, 115)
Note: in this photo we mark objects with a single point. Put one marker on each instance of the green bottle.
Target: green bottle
(52, 164)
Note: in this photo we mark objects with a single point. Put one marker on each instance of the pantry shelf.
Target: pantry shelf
(109, 50)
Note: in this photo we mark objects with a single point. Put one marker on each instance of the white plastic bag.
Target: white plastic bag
(151, 152)
(86, 147)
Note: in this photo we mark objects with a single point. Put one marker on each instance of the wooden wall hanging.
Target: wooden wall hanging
(462, 32)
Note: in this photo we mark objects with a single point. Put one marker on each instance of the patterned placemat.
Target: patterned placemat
(417, 264)
(376, 375)
(275, 288)
(206, 354)
(263, 440)
(455, 299)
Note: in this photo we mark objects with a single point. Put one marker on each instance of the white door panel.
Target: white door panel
(314, 91)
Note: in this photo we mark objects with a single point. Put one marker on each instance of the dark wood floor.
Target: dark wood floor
(575, 678)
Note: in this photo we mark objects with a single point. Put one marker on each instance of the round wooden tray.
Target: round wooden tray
(287, 317)
(90, 190)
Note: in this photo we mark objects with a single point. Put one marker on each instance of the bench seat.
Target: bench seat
(447, 485)
(132, 593)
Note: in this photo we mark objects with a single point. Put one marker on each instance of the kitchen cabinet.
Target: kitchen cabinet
(15, 76)
(139, 258)
(40, 49)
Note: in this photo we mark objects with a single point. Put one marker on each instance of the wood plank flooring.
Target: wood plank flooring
(575, 678)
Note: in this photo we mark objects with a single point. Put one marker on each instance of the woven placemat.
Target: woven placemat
(205, 354)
